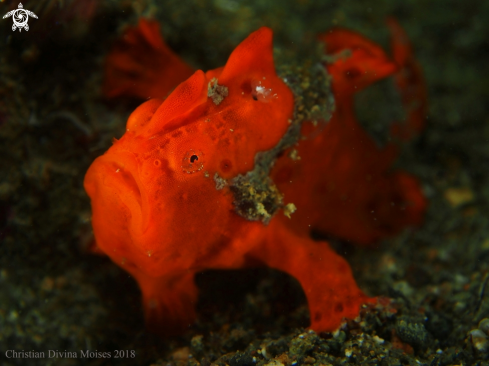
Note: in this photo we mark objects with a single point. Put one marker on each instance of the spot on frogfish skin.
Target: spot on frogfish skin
(289, 209)
(260, 92)
(226, 165)
(216, 92)
(193, 161)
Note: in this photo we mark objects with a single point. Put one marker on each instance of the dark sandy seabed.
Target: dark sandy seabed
(54, 122)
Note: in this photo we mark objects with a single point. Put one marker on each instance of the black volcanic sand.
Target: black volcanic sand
(54, 122)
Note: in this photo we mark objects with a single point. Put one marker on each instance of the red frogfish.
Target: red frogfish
(181, 191)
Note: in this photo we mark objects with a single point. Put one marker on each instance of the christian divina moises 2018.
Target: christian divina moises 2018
(56, 354)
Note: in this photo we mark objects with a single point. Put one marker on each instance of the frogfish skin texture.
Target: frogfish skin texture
(159, 213)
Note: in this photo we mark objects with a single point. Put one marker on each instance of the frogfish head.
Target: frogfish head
(156, 188)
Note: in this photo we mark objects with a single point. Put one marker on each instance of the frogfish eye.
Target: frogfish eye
(193, 161)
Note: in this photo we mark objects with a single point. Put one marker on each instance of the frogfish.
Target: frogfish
(197, 182)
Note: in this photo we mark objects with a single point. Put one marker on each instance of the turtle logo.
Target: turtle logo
(20, 17)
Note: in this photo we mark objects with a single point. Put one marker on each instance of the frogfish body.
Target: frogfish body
(167, 197)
